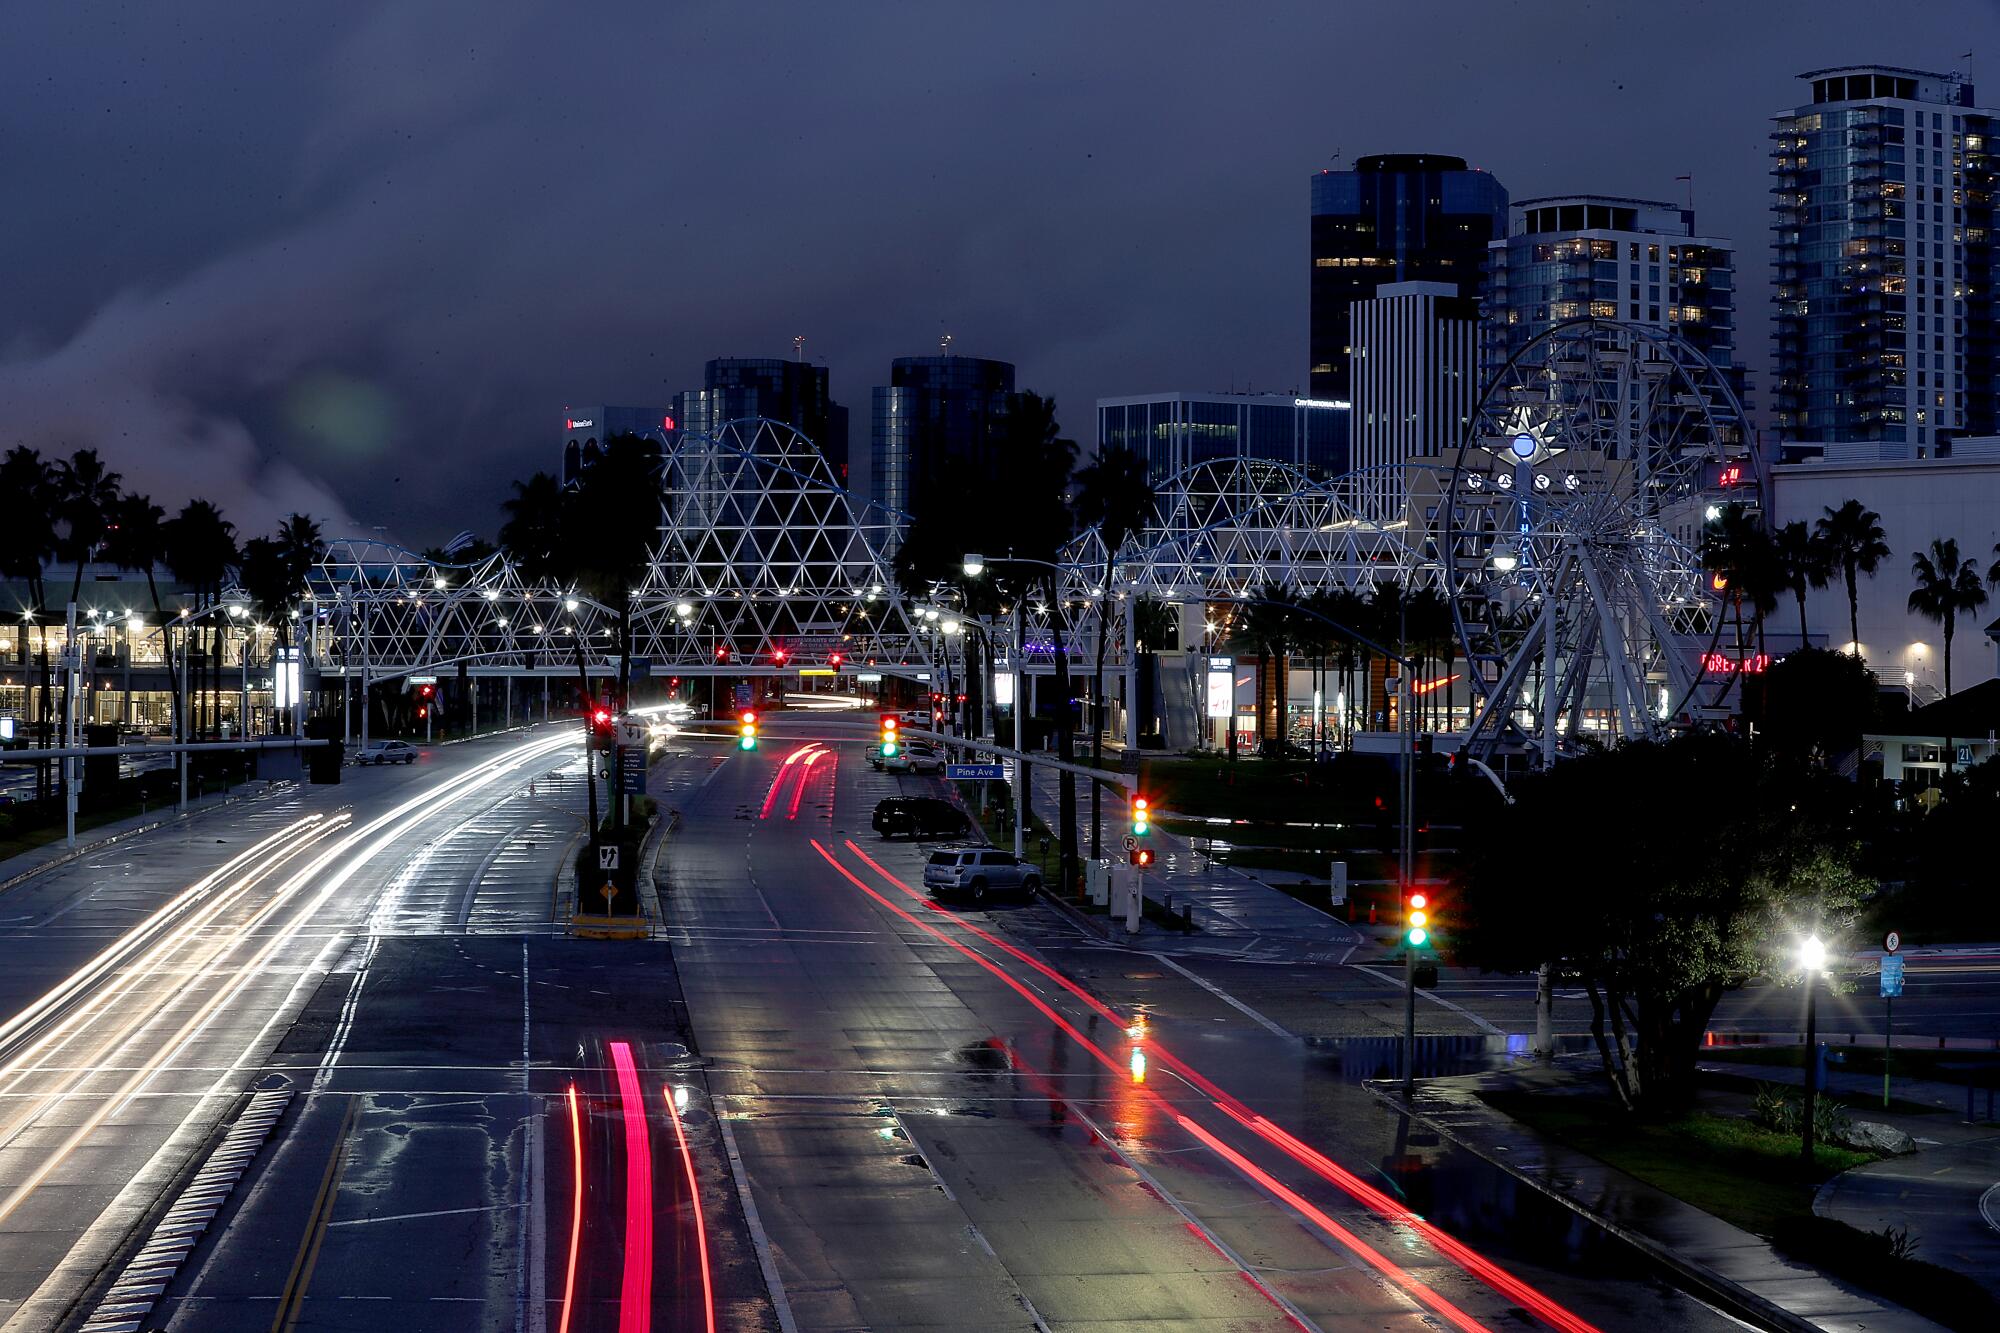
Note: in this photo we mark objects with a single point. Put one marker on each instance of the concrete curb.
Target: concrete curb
(1733, 1297)
(84, 849)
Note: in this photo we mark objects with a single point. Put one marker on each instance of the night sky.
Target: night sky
(357, 260)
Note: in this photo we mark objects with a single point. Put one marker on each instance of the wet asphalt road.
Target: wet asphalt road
(935, 1134)
(815, 1101)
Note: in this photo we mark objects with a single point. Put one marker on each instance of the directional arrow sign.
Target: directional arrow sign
(607, 857)
(976, 772)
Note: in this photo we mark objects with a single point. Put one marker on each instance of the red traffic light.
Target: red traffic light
(778, 655)
(834, 659)
(1142, 856)
(425, 691)
(721, 653)
(601, 717)
(422, 712)
(748, 718)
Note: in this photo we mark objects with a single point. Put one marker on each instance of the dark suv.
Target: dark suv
(919, 817)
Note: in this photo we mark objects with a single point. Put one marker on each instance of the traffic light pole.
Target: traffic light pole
(1406, 868)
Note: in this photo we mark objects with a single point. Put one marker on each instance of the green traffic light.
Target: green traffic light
(1416, 936)
(747, 743)
(888, 749)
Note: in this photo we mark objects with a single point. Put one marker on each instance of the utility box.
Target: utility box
(1337, 889)
(1097, 882)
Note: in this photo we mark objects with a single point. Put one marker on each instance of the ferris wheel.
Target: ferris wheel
(1571, 519)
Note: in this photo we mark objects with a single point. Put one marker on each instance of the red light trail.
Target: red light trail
(635, 1296)
(1473, 1262)
(1374, 1258)
(694, 1203)
(576, 1209)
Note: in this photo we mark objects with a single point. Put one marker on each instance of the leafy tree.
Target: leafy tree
(1674, 909)
(1855, 545)
(542, 538)
(1114, 495)
(1817, 703)
(1946, 584)
(1803, 562)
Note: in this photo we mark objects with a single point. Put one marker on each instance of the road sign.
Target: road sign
(1131, 843)
(975, 772)
(423, 680)
(632, 770)
(607, 857)
(1893, 943)
(1892, 976)
(632, 732)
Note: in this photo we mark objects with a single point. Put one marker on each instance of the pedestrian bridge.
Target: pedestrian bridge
(765, 565)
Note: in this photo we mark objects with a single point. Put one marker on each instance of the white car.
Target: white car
(386, 752)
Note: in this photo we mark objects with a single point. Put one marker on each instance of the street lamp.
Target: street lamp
(683, 609)
(1812, 958)
(975, 565)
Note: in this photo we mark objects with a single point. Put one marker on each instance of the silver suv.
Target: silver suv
(978, 872)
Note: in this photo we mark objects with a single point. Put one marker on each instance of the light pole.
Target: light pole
(1812, 957)
(975, 565)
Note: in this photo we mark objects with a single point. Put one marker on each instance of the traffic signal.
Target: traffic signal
(1416, 919)
(888, 734)
(721, 653)
(426, 691)
(423, 711)
(1141, 856)
(746, 731)
(1142, 820)
(834, 660)
(778, 656)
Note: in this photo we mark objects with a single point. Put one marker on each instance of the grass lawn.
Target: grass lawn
(1738, 1171)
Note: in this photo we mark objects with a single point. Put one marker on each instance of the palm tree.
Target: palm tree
(1264, 627)
(1388, 618)
(1803, 562)
(1037, 498)
(27, 543)
(300, 548)
(1855, 544)
(1350, 608)
(201, 547)
(1945, 586)
(1736, 547)
(85, 492)
(1114, 495)
(135, 538)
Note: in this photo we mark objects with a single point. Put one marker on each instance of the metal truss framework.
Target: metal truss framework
(766, 565)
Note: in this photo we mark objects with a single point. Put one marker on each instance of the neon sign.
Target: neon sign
(666, 423)
(1722, 664)
(577, 423)
(1731, 475)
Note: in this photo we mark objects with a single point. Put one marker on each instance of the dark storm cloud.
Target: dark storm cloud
(357, 261)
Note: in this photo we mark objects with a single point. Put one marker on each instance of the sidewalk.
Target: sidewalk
(1238, 915)
(16, 869)
(1938, 1192)
(1741, 1272)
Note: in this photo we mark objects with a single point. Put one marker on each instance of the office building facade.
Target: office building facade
(936, 432)
(1176, 431)
(1884, 328)
(586, 428)
(1399, 217)
(1415, 372)
(1638, 261)
(795, 392)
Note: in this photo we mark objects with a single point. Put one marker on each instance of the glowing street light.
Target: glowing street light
(1812, 959)
(975, 565)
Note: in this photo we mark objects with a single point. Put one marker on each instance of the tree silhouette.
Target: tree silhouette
(1946, 584)
(1855, 545)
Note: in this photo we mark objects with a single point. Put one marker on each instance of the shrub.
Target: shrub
(1881, 1262)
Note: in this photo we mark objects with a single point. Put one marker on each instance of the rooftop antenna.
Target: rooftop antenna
(1689, 178)
(944, 345)
(799, 345)
(1335, 159)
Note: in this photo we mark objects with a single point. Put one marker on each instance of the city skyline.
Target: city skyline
(321, 344)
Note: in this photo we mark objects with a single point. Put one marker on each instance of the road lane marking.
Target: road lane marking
(766, 1261)
(1431, 995)
(694, 1205)
(1227, 999)
(292, 1298)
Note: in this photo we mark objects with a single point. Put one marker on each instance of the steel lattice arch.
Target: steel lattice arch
(765, 564)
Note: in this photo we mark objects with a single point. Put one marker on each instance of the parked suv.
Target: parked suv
(977, 873)
(918, 816)
(387, 752)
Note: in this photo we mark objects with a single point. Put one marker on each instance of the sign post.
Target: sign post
(1892, 986)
